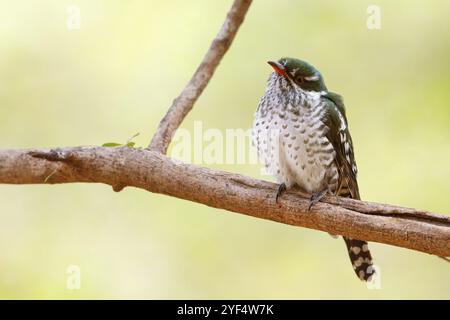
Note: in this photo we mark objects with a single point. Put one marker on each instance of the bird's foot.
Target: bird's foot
(280, 191)
(316, 197)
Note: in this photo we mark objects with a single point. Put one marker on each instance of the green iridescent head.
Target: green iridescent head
(300, 72)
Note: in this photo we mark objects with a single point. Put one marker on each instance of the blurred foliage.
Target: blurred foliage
(119, 73)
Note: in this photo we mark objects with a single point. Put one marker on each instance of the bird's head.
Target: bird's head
(299, 73)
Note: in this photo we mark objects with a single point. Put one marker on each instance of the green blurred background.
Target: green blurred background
(118, 74)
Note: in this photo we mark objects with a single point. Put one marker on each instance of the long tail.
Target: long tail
(361, 258)
(358, 250)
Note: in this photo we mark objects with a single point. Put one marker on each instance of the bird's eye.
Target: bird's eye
(299, 79)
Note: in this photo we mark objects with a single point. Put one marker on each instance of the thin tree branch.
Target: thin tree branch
(187, 98)
(154, 172)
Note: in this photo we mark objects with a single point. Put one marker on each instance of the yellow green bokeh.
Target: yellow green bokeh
(118, 74)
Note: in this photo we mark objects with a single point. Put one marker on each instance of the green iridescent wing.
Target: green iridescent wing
(339, 136)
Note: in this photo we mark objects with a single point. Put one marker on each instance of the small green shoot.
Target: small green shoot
(129, 143)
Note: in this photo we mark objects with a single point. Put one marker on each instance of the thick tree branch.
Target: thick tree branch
(187, 98)
(152, 171)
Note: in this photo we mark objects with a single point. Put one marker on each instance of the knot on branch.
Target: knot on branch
(118, 187)
(52, 155)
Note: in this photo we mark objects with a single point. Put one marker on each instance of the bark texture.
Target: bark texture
(154, 172)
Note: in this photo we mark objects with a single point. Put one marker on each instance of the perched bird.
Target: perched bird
(300, 131)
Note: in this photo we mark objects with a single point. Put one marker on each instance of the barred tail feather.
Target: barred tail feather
(361, 258)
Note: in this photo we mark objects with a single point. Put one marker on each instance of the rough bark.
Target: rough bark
(154, 172)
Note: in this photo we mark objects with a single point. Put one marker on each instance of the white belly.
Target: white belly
(295, 151)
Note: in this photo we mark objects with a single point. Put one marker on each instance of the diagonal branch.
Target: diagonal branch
(154, 172)
(187, 98)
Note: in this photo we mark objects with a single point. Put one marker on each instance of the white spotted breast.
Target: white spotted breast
(291, 141)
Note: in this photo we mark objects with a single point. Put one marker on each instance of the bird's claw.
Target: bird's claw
(280, 191)
(316, 197)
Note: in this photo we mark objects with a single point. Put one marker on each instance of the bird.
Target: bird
(301, 134)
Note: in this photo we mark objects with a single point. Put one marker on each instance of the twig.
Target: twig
(187, 98)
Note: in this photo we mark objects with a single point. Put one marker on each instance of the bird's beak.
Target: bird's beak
(279, 68)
